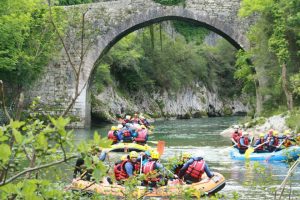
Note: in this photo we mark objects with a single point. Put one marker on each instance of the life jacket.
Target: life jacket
(236, 136)
(196, 169)
(246, 142)
(276, 141)
(136, 120)
(127, 136)
(120, 172)
(142, 136)
(112, 135)
(287, 143)
(149, 168)
(261, 142)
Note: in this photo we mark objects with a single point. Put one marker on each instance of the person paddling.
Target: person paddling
(193, 170)
(244, 143)
(261, 147)
(237, 133)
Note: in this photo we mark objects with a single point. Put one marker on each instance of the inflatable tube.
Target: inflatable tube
(292, 152)
(205, 187)
(126, 147)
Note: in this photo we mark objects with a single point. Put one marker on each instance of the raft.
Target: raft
(205, 187)
(291, 153)
(126, 147)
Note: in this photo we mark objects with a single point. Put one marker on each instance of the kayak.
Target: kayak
(126, 147)
(292, 152)
(207, 186)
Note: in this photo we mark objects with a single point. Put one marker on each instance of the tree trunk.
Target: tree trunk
(288, 94)
(259, 99)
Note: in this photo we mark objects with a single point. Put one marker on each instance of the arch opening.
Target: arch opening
(118, 37)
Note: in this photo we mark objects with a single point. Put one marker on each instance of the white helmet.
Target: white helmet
(120, 126)
(236, 127)
(245, 133)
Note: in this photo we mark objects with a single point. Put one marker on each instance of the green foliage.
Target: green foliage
(137, 63)
(27, 40)
(191, 32)
(293, 120)
(73, 2)
(37, 145)
(275, 42)
(170, 2)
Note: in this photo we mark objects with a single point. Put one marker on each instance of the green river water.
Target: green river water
(202, 137)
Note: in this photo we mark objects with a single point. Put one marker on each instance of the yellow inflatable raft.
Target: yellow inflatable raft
(205, 187)
(126, 147)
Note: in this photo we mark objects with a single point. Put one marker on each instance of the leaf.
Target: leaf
(16, 124)
(99, 171)
(96, 137)
(18, 136)
(5, 152)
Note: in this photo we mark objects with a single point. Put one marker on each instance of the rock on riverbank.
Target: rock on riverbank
(261, 125)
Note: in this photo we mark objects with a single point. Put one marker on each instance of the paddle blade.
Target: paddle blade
(248, 152)
(160, 147)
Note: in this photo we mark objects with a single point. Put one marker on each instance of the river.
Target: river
(201, 137)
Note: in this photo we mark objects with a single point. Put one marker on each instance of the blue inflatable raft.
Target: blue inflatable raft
(292, 152)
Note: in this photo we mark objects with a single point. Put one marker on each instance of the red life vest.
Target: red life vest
(150, 167)
(142, 136)
(126, 133)
(196, 169)
(246, 142)
(135, 120)
(287, 143)
(120, 172)
(236, 136)
(262, 140)
(276, 141)
(112, 136)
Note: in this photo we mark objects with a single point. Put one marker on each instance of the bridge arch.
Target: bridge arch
(226, 28)
(117, 18)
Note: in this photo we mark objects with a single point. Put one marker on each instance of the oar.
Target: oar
(268, 158)
(153, 142)
(251, 150)
(160, 147)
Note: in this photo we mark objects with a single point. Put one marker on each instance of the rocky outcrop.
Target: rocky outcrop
(261, 125)
(186, 103)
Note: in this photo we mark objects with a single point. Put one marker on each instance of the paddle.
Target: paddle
(251, 150)
(160, 147)
(153, 142)
(268, 158)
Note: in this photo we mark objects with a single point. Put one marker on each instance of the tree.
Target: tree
(281, 17)
(27, 41)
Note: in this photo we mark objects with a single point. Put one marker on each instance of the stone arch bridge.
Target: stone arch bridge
(115, 19)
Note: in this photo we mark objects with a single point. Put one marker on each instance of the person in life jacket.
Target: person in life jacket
(288, 140)
(143, 121)
(127, 119)
(193, 170)
(127, 167)
(135, 119)
(153, 170)
(244, 143)
(235, 136)
(183, 159)
(142, 135)
(260, 140)
(113, 135)
(80, 167)
(274, 143)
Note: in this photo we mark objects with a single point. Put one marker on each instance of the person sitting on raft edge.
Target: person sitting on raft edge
(193, 170)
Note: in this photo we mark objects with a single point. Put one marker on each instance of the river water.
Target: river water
(201, 137)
